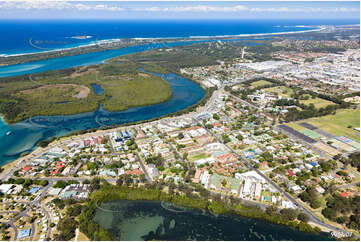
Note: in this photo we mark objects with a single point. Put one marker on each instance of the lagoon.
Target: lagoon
(153, 220)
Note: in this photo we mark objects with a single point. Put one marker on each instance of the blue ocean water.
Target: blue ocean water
(57, 34)
(54, 34)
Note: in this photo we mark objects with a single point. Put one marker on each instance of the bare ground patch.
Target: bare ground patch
(82, 91)
(143, 74)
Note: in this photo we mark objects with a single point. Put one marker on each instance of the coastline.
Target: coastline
(115, 40)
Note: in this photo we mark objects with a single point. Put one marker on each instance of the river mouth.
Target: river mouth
(150, 220)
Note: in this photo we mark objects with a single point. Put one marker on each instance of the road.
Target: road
(356, 183)
(207, 107)
(149, 179)
(173, 148)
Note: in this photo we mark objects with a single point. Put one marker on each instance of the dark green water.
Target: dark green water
(149, 220)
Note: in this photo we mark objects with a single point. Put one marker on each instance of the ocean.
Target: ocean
(28, 36)
(55, 34)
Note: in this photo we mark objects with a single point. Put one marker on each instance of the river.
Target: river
(26, 134)
(153, 220)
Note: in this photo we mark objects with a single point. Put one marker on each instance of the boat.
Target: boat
(8, 133)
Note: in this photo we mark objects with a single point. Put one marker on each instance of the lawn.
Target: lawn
(260, 83)
(318, 102)
(295, 126)
(283, 91)
(338, 124)
(198, 157)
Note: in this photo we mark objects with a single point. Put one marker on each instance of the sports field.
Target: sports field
(283, 91)
(311, 134)
(318, 102)
(336, 124)
(260, 83)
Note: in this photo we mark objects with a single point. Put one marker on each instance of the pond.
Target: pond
(154, 220)
(97, 89)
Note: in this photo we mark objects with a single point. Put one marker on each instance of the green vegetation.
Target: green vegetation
(198, 157)
(312, 197)
(317, 102)
(137, 90)
(70, 92)
(26, 182)
(124, 85)
(283, 91)
(261, 83)
(343, 210)
(353, 160)
(338, 124)
(62, 184)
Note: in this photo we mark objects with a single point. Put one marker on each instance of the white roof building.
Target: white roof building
(205, 179)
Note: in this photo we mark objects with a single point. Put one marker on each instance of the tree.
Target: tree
(66, 227)
(185, 155)
(303, 217)
(94, 184)
(216, 116)
(60, 184)
(267, 156)
(289, 214)
(74, 210)
(239, 137)
(271, 210)
(316, 204)
(119, 181)
(43, 183)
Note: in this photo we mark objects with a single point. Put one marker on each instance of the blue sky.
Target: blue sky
(48, 9)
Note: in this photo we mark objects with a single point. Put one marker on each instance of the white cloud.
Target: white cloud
(304, 10)
(58, 5)
(84, 6)
(205, 8)
(241, 8)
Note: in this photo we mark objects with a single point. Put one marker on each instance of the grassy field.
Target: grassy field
(260, 83)
(283, 91)
(318, 102)
(295, 126)
(337, 124)
(198, 157)
(134, 90)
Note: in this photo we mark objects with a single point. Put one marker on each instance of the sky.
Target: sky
(50, 9)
